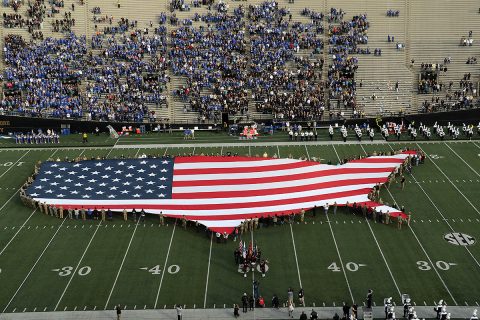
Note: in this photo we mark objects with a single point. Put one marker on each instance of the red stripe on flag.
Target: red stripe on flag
(196, 159)
(377, 160)
(226, 206)
(300, 176)
(284, 166)
(266, 192)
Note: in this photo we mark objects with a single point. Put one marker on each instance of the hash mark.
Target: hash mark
(34, 309)
(84, 308)
(45, 309)
(65, 309)
(75, 309)
(25, 309)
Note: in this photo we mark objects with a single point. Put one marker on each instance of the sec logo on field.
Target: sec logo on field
(459, 239)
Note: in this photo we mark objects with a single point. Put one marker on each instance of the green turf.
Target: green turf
(387, 259)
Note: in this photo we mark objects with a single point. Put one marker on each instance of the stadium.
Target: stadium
(218, 159)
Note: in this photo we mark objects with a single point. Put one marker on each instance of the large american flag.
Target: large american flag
(218, 192)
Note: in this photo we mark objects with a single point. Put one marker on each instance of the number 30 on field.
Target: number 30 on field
(66, 271)
(442, 265)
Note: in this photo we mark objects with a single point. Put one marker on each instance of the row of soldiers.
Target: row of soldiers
(32, 138)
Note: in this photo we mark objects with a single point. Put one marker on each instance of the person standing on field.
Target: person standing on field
(119, 311)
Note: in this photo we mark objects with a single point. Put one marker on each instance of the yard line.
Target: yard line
(165, 265)
(193, 151)
(19, 229)
(34, 265)
(444, 219)
(165, 153)
(249, 151)
(336, 246)
(208, 272)
(13, 195)
(278, 152)
(136, 154)
(306, 149)
(340, 258)
(13, 165)
(111, 149)
(379, 248)
(78, 265)
(121, 265)
(336, 153)
(471, 204)
(463, 160)
(420, 244)
(253, 280)
(296, 260)
(384, 260)
(221, 151)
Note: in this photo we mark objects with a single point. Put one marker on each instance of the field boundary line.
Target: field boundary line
(208, 272)
(19, 229)
(451, 182)
(78, 265)
(34, 265)
(296, 259)
(421, 246)
(165, 265)
(121, 265)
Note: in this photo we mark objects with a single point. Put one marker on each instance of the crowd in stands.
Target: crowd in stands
(250, 56)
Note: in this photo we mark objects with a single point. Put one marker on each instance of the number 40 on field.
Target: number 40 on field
(350, 266)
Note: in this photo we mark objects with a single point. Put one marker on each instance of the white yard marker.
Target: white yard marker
(164, 266)
(78, 265)
(208, 272)
(121, 265)
(278, 151)
(33, 267)
(296, 259)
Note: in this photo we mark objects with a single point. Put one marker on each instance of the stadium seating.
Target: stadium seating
(427, 34)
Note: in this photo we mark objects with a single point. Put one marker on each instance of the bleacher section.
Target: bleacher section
(428, 32)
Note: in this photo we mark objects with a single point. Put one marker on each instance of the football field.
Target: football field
(48, 264)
